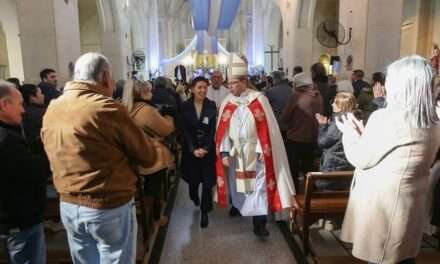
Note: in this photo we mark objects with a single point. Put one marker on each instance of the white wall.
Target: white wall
(436, 24)
(68, 45)
(376, 32)
(420, 27)
(325, 10)
(272, 25)
(354, 14)
(90, 28)
(53, 42)
(290, 12)
(90, 35)
(8, 18)
(4, 64)
(436, 30)
(384, 19)
(409, 28)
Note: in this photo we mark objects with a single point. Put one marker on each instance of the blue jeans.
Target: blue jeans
(26, 246)
(100, 235)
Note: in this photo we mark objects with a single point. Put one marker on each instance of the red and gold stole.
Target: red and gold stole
(264, 137)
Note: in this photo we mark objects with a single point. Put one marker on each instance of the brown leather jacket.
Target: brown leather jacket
(157, 127)
(299, 115)
(93, 144)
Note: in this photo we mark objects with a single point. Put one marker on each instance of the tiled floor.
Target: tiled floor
(330, 250)
(226, 240)
(231, 241)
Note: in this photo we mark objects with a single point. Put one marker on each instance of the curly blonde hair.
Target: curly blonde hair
(346, 101)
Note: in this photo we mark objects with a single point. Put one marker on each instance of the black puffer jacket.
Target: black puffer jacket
(22, 182)
(333, 156)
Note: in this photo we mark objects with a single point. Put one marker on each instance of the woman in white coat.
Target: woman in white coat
(392, 156)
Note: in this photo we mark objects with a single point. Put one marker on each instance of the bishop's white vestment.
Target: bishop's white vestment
(217, 95)
(258, 180)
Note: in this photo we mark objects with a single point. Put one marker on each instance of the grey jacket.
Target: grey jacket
(278, 96)
(333, 156)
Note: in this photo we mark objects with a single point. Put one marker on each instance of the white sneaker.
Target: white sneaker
(321, 223)
(329, 225)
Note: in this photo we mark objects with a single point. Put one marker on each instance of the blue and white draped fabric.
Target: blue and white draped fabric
(214, 44)
(210, 16)
(228, 12)
(200, 14)
(200, 45)
(213, 15)
(206, 42)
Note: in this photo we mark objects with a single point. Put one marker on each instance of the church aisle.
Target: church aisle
(226, 240)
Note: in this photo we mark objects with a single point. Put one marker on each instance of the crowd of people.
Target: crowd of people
(250, 141)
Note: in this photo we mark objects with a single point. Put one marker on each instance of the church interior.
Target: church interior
(178, 41)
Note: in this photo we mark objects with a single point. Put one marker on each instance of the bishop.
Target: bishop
(252, 168)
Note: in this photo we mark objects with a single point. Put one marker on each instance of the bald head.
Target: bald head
(6, 89)
(94, 67)
(216, 79)
(11, 104)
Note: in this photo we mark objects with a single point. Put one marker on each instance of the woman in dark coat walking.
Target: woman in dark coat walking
(199, 118)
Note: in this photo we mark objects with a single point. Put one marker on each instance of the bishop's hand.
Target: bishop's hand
(225, 161)
(198, 153)
(260, 157)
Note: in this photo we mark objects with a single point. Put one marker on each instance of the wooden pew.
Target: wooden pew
(56, 242)
(315, 204)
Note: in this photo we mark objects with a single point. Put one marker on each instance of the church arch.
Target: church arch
(105, 12)
(90, 25)
(420, 27)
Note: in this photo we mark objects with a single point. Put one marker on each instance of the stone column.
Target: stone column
(258, 33)
(115, 35)
(289, 13)
(9, 20)
(49, 32)
(376, 33)
(153, 38)
(306, 37)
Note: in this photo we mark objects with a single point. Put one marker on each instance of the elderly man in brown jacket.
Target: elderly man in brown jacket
(93, 146)
(302, 127)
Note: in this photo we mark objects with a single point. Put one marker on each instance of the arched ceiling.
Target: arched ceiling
(171, 7)
(87, 8)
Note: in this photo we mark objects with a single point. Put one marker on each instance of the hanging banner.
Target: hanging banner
(214, 15)
(200, 14)
(200, 46)
(228, 12)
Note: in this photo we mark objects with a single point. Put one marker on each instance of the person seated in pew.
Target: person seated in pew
(330, 142)
(34, 111)
(22, 185)
(157, 125)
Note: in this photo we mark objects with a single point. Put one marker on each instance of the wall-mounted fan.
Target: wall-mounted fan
(331, 34)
